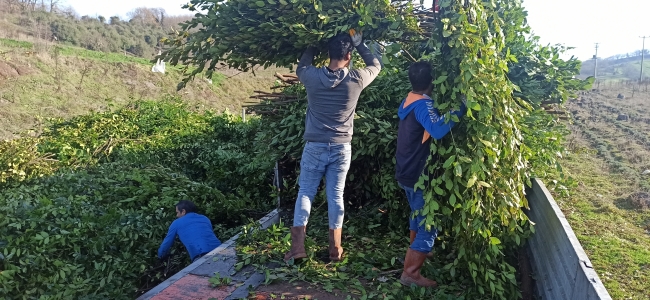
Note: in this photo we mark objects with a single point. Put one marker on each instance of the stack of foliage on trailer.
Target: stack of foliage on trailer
(86, 204)
(480, 50)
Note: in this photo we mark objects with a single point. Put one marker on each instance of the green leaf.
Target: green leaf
(449, 161)
(494, 241)
(434, 205)
(438, 191)
(260, 3)
(484, 184)
(440, 79)
(458, 170)
(471, 181)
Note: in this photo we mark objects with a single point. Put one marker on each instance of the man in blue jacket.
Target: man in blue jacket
(419, 122)
(194, 231)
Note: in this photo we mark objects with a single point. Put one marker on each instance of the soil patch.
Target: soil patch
(8, 70)
(640, 200)
(635, 201)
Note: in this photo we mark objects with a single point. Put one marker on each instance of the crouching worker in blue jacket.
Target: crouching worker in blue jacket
(194, 231)
(419, 123)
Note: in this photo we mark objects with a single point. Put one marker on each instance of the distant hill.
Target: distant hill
(139, 35)
(618, 68)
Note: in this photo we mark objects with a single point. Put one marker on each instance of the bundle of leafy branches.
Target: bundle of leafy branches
(480, 50)
(243, 33)
(86, 204)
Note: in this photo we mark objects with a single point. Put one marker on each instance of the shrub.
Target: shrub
(93, 233)
(86, 204)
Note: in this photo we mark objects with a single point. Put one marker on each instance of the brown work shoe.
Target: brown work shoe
(412, 265)
(297, 243)
(335, 249)
(413, 233)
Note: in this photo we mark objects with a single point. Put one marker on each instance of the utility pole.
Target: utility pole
(596, 63)
(642, 57)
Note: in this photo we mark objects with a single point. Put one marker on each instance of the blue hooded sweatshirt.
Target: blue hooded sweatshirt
(419, 121)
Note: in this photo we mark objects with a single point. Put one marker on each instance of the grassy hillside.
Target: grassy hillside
(623, 69)
(40, 80)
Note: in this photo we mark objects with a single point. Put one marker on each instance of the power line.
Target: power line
(642, 57)
(596, 62)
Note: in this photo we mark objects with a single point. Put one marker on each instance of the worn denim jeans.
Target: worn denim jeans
(331, 160)
(424, 239)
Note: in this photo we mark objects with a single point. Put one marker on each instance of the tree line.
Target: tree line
(139, 34)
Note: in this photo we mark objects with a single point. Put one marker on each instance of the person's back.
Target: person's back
(194, 231)
(332, 96)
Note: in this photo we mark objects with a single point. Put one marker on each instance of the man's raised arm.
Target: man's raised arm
(373, 66)
(305, 62)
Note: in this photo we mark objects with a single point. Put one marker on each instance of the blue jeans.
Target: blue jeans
(424, 239)
(331, 160)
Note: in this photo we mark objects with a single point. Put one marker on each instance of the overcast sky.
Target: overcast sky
(616, 25)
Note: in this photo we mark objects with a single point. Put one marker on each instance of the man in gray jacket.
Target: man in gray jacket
(332, 95)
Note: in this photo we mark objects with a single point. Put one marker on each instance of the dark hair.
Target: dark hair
(339, 46)
(186, 205)
(420, 75)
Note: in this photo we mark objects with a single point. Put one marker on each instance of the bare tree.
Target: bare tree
(142, 15)
(53, 5)
(87, 66)
(10, 5)
(57, 70)
(159, 15)
(69, 12)
(173, 21)
(27, 5)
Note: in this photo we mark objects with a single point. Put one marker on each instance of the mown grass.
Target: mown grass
(607, 163)
(16, 44)
(614, 234)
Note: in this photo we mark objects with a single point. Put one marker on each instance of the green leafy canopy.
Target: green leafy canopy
(242, 34)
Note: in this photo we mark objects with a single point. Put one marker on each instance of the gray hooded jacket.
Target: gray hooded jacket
(332, 96)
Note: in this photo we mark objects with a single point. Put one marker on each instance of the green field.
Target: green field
(609, 205)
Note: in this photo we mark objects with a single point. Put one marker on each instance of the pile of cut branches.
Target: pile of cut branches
(244, 33)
